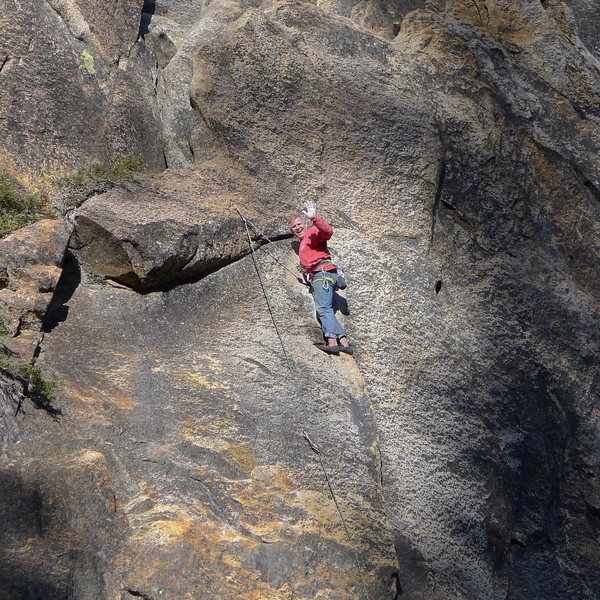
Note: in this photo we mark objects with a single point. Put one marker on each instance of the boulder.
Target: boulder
(168, 231)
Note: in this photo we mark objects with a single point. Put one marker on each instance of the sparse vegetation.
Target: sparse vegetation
(76, 189)
(37, 387)
(20, 207)
(3, 327)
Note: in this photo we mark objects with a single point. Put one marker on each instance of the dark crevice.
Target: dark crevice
(594, 510)
(70, 279)
(147, 286)
(449, 206)
(3, 62)
(461, 217)
(380, 460)
(396, 587)
(595, 191)
(38, 349)
(479, 12)
(438, 196)
(147, 13)
(197, 108)
(587, 183)
(138, 594)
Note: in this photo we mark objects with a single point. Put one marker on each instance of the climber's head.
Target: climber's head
(298, 226)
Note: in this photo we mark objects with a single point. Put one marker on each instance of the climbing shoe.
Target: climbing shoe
(347, 349)
(329, 349)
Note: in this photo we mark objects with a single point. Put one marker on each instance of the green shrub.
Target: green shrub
(19, 208)
(39, 389)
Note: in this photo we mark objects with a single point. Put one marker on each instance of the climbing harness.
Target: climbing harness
(328, 280)
(325, 278)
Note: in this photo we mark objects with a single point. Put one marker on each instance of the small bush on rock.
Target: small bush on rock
(3, 327)
(20, 207)
(38, 388)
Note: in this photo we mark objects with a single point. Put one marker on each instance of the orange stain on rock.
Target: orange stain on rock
(244, 456)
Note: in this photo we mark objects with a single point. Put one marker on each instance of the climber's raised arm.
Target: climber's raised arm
(325, 229)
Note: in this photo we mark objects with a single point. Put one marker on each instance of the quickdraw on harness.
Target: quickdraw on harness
(325, 278)
(325, 275)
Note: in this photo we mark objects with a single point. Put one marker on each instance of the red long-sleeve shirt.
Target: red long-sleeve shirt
(313, 246)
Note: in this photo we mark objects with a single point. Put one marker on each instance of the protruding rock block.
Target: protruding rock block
(31, 261)
(148, 236)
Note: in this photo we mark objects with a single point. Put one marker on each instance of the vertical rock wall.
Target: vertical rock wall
(76, 87)
(458, 163)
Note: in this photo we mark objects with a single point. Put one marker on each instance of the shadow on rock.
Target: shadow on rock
(27, 571)
(147, 13)
(70, 279)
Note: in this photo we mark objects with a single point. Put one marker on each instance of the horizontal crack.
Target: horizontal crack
(137, 594)
(209, 268)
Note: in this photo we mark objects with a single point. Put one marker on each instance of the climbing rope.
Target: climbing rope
(270, 241)
(262, 285)
(359, 564)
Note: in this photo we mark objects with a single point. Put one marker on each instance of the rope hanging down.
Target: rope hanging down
(262, 285)
(270, 241)
(359, 564)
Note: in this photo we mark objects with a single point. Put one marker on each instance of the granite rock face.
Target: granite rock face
(454, 148)
(31, 262)
(76, 88)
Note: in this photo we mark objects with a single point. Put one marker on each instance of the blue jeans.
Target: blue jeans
(322, 290)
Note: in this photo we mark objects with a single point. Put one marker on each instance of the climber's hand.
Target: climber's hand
(311, 210)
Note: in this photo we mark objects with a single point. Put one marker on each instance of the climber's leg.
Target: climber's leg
(323, 297)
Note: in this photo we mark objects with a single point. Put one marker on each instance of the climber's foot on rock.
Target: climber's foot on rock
(329, 349)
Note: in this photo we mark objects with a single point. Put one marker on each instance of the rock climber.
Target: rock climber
(322, 274)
